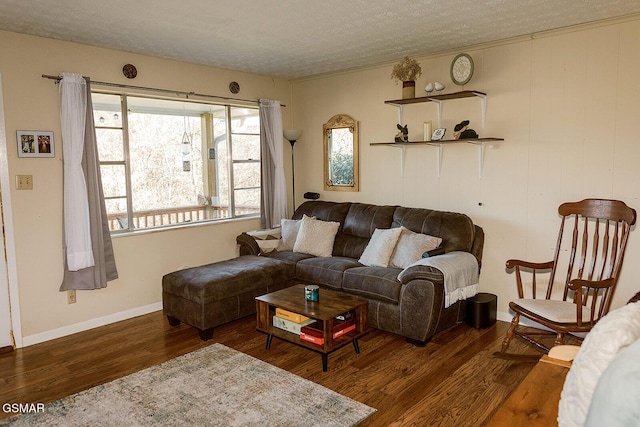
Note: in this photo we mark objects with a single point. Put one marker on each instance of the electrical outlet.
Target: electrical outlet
(71, 296)
(24, 182)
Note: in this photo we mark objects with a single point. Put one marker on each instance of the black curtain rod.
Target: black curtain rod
(153, 89)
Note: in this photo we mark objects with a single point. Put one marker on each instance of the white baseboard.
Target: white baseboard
(508, 317)
(89, 324)
(505, 317)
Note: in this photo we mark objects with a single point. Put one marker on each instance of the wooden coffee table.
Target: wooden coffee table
(329, 305)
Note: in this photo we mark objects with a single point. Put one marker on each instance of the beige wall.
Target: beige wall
(31, 103)
(566, 105)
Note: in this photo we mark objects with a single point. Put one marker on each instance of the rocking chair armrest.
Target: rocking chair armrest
(512, 263)
(575, 284)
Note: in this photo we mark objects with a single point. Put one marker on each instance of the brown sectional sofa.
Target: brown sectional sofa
(210, 295)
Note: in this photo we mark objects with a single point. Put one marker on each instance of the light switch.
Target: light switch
(24, 182)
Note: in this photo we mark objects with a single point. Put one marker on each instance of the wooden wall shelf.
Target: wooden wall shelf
(440, 142)
(437, 98)
(399, 103)
(480, 142)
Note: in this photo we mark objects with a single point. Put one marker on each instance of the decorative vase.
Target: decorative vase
(408, 89)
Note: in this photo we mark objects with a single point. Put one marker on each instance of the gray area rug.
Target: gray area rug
(213, 386)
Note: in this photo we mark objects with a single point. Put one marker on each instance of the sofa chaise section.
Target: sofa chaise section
(211, 295)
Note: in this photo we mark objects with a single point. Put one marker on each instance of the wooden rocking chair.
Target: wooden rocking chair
(595, 250)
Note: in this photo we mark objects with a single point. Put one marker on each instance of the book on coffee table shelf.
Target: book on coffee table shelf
(315, 330)
(344, 328)
(290, 326)
(313, 333)
(289, 315)
(312, 338)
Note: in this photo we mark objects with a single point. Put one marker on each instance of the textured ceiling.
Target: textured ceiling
(296, 38)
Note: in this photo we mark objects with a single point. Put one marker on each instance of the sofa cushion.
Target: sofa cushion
(378, 251)
(288, 256)
(326, 271)
(359, 224)
(373, 282)
(411, 246)
(316, 237)
(325, 211)
(456, 229)
(290, 228)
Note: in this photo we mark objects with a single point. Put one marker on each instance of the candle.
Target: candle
(427, 131)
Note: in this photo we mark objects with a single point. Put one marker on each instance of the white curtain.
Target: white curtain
(274, 191)
(73, 112)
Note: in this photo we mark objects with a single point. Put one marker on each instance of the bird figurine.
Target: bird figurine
(439, 87)
(429, 88)
(461, 131)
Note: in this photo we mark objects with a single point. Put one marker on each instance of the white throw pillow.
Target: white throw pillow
(380, 247)
(290, 228)
(615, 331)
(316, 237)
(615, 399)
(268, 240)
(411, 246)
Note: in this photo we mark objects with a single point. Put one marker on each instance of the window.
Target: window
(167, 162)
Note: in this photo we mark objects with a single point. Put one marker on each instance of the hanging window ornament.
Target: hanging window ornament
(187, 138)
(186, 144)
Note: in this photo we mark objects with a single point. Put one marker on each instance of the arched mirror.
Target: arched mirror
(341, 153)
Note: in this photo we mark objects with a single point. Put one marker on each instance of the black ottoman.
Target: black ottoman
(481, 310)
(213, 294)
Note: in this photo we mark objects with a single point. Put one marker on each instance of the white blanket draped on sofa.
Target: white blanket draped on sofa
(460, 271)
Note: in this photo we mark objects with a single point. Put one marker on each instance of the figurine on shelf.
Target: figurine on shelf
(403, 134)
(461, 131)
(428, 88)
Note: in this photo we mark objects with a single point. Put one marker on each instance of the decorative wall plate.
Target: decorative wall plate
(461, 69)
(130, 71)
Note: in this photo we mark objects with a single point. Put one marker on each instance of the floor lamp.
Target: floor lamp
(292, 135)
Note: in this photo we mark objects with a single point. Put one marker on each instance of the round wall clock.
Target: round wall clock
(461, 69)
(234, 87)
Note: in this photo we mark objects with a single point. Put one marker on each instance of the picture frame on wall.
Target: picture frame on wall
(35, 143)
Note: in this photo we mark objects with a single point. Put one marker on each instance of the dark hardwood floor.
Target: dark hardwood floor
(452, 381)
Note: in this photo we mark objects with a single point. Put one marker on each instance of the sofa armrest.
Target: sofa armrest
(421, 308)
(248, 245)
(433, 252)
(422, 272)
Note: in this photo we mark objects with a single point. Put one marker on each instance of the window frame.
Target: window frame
(126, 162)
